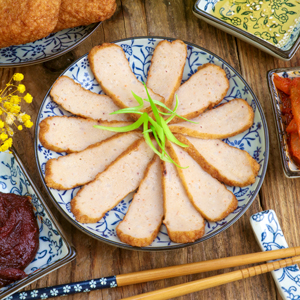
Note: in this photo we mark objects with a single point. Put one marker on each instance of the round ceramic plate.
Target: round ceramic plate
(52, 46)
(139, 52)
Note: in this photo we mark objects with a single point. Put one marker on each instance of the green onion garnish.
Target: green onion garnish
(158, 127)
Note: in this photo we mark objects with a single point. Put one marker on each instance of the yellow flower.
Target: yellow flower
(21, 88)
(7, 105)
(28, 124)
(9, 142)
(4, 147)
(10, 119)
(20, 127)
(25, 117)
(3, 136)
(0, 111)
(15, 99)
(18, 76)
(15, 109)
(28, 98)
(1, 124)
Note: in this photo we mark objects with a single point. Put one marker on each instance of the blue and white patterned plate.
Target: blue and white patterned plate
(139, 52)
(52, 46)
(54, 250)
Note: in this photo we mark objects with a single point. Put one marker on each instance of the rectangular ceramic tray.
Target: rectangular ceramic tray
(54, 250)
(202, 9)
(290, 168)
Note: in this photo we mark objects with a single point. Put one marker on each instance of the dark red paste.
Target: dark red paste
(19, 237)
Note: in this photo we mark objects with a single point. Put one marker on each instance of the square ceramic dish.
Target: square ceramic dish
(290, 168)
(203, 9)
(54, 250)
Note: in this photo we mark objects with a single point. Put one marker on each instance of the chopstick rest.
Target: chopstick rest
(269, 236)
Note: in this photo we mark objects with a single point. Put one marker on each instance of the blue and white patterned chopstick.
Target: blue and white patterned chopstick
(66, 289)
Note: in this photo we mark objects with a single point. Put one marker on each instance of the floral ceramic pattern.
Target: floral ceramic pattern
(289, 167)
(269, 235)
(281, 10)
(67, 289)
(139, 52)
(53, 248)
(46, 48)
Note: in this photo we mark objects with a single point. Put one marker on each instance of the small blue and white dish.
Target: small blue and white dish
(269, 236)
(49, 47)
(139, 52)
(54, 250)
(204, 9)
(291, 170)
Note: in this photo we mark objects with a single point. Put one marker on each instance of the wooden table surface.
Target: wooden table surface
(169, 18)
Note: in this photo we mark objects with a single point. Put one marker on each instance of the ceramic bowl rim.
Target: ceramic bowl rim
(53, 56)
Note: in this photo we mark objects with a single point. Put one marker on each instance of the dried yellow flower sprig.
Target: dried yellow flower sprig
(10, 110)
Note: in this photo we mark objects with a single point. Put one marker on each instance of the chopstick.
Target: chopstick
(201, 284)
(155, 274)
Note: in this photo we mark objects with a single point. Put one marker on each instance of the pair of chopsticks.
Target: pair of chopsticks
(175, 271)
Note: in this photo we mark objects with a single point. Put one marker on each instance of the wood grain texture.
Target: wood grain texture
(169, 18)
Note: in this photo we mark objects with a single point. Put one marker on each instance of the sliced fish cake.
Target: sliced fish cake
(142, 221)
(228, 164)
(72, 134)
(111, 69)
(79, 168)
(224, 121)
(210, 197)
(84, 103)
(204, 89)
(109, 187)
(166, 69)
(184, 223)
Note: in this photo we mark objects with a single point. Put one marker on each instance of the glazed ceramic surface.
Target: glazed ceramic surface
(139, 52)
(203, 9)
(269, 236)
(54, 250)
(290, 168)
(46, 48)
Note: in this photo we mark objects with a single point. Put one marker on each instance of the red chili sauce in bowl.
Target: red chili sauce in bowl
(289, 92)
(19, 237)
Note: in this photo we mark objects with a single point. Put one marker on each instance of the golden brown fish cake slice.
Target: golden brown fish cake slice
(184, 223)
(84, 103)
(112, 71)
(228, 164)
(210, 197)
(142, 221)
(120, 178)
(204, 89)
(224, 121)
(166, 69)
(75, 169)
(26, 21)
(84, 12)
(73, 134)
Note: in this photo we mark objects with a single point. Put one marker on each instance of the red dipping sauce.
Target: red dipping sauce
(19, 237)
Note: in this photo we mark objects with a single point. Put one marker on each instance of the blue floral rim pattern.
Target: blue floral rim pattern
(52, 46)
(139, 52)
